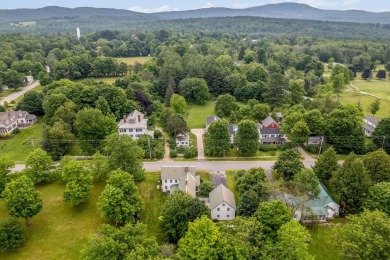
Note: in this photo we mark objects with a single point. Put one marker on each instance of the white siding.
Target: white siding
(223, 212)
(166, 184)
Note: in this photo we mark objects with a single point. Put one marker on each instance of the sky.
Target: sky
(150, 6)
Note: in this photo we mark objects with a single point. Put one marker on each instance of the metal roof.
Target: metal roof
(221, 194)
(372, 119)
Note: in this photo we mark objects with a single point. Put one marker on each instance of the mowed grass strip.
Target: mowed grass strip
(197, 114)
(18, 147)
(133, 60)
(58, 231)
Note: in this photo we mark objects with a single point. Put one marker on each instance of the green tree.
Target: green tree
(260, 111)
(379, 198)
(6, 166)
(205, 188)
(99, 166)
(218, 138)
(364, 236)
(352, 182)
(367, 74)
(273, 215)
(292, 242)
(381, 135)
(39, 166)
(92, 127)
(289, 163)
(338, 83)
(124, 153)
(381, 74)
(12, 234)
(300, 133)
(275, 91)
(102, 104)
(374, 106)
(326, 164)
(120, 200)
(32, 102)
(180, 209)
(52, 103)
(377, 165)
(249, 203)
(202, 241)
(178, 104)
(247, 138)
(21, 199)
(314, 121)
(66, 113)
(170, 91)
(296, 92)
(128, 242)
(247, 180)
(307, 183)
(14, 79)
(225, 105)
(176, 125)
(57, 140)
(194, 90)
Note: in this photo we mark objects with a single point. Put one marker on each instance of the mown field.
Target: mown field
(197, 114)
(59, 231)
(132, 60)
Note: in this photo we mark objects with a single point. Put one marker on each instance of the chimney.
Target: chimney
(139, 118)
(124, 118)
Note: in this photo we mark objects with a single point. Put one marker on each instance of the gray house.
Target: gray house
(15, 119)
(371, 123)
(211, 119)
(180, 178)
(270, 135)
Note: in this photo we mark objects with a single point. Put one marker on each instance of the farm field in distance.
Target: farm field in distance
(132, 60)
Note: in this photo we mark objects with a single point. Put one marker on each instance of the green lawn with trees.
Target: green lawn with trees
(197, 114)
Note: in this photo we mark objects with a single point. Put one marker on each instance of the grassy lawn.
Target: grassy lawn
(132, 60)
(16, 148)
(58, 231)
(197, 114)
(204, 175)
(321, 245)
(7, 92)
(233, 152)
(231, 182)
(153, 200)
(374, 86)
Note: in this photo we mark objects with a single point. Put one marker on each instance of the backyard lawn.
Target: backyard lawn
(132, 60)
(59, 231)
(197, 114)
(18, 147)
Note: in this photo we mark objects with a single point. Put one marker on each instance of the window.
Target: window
(170, 181)
(218, 209)
(228, 216)
(217, 216)
(175, 181)
(166, 181)
(130, 130)
(138, 130)
(223, 204)
(166, 187)
(122, 130)
(228, 209)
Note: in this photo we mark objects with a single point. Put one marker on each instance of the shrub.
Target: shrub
(267, 148)
(158, 134)
(12, 234)
(190, 153)
(16, 131)
(173, 153)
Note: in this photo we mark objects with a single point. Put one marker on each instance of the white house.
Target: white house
(180, 177)
(222, 203)
(15, 119)
(232, 131)
(29, 79)
(134, 125)
(270, 135)
(371, 123)
(314, 140)
(183, 140)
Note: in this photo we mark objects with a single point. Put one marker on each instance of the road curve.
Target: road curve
(15, 95)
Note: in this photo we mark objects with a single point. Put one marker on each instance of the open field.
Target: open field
(376, 87)
(132, 60)
(18, 147)
(58, 231)
(197, 114)
(7, 92)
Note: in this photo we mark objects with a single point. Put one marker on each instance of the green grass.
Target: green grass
(16, 148)
(321, 245)
(231, 182)
(7, 92)
(132, 60)
(233, 152)
(58, 231)
(377, 87)
(153, 201)
(204, 175)
(197, 114)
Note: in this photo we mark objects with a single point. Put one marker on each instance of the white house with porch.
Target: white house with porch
(183, 140)
(135, 125)
(180, 178)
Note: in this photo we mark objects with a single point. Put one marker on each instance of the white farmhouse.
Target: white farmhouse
(371, 123)
(15, 119)
(180, 178)
(134, 125)
(222, 203)
(183, 140)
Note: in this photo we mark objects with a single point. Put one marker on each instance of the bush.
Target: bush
(267, 148)
(173, 153)
(190, 153)
(16, 131)
(172, 143)
(158, 134)
(288, 145)
(311, 149)
(12, 234)
(181, 149)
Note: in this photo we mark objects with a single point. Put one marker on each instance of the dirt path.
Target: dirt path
(366, 93)
(199, 132)
(167, 157)
(15, 95)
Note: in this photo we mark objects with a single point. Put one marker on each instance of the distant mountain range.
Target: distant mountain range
(283, 10)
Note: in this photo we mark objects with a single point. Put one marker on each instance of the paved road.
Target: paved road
(15, 95)
(218, 177)
(199, 132)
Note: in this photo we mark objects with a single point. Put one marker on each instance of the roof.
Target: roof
(269, 120)
(188, 183)
(132, 120)
(221, 194)
(232, 129)
(372, 119)
(211, 119)
(183, 137)
(8, 118)
(176, 172)
(278, 114)
(269, 131)
(369, 128)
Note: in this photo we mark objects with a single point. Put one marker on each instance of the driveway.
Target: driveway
(199, 132)
(15, 95)
(218, 177)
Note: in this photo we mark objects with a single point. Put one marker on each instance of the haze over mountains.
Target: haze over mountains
(283, 10)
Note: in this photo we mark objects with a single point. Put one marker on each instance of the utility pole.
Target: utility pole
(150, 151)
(319, 150)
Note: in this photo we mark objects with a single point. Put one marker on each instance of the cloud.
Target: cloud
(163, 8)
(208, 5)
